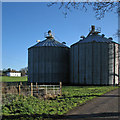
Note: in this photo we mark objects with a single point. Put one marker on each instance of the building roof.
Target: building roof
(50, 42)
(14, 72)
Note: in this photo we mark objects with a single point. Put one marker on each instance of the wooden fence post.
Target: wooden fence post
(37, 88)
(20, 83)
(46, 89)
(19, 89)
(31, 89)
(54, 90)
(60, 88)
(36, 84)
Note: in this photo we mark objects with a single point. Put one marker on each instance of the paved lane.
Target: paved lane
(103, 107)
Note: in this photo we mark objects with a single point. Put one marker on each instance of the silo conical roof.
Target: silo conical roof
(96, 38)
(49, 42)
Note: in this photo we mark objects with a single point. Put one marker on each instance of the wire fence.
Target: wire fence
(33, 90)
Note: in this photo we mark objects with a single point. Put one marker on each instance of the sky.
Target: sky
(23, 23)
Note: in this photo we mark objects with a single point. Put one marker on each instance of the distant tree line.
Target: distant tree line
(23, 71)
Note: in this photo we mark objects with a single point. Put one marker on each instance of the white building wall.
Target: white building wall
(14, 74)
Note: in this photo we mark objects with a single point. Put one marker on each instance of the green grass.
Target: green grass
(71, 97)
(13, 79)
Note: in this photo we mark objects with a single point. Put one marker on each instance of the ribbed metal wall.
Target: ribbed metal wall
(94, 63)
(48, 64)
(119, 62)
(116, 63)
(111, 63)
(89, 53)
(71, 65)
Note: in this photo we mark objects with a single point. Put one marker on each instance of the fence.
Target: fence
(33, 90)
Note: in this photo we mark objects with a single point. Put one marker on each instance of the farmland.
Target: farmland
(72, 96)
(13, 79)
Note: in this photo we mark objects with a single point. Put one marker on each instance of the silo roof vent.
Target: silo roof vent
(82, 36)
(103, 35)
(110, 38)
(63, 42)
(38, 41)
(49, 35)
(93, 31)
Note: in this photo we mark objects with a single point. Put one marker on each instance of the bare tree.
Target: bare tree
(100, 8)
(24, 71)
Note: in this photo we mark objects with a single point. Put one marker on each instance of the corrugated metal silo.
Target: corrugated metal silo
(48, 61)
(94, 60)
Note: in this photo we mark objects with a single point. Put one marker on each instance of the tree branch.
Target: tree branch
(100, 8)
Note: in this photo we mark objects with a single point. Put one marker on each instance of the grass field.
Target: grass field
(72, 96)
(13, 79)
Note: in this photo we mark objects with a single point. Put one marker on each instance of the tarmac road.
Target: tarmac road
(103, 107)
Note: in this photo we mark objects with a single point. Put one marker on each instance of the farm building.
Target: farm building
(14, 74)
(94, 60)
(48, 61)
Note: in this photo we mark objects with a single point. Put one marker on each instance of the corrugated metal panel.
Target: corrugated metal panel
(39, 65)
(49, 64)
(43, 65)
(67, 65)
(104, 64)
(32, 77)
(29, 65)
(107, 63)
(71, 65)
(101, 58)
(34, 65)
(98, 63)
(111, 63)
(93, 61)
(119, 61)
(82, 62)
(75, 64)
(116, 64)
(78, 64)
(89, 63)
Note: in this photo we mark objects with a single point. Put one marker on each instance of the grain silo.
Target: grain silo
(48, 61)
(94, 60)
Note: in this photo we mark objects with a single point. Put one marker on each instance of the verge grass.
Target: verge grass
(72, 96)
(13, 79)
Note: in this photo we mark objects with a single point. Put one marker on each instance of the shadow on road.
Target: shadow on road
(94, 96)
(96, 115)
(62, 117)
